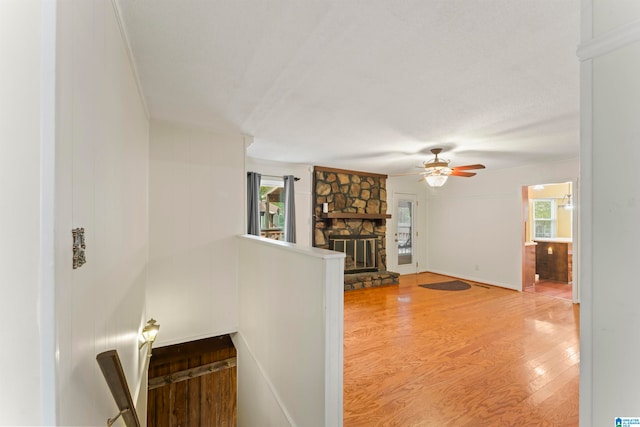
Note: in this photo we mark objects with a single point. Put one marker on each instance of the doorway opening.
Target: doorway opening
(548, 231)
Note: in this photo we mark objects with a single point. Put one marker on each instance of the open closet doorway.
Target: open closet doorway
(549, 231)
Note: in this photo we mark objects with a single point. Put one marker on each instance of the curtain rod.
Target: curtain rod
(276, 176)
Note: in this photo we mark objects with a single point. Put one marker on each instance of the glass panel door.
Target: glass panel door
(404, 236)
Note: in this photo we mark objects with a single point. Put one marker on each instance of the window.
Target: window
(272, 208)
(404, 231)
(404, 227)
(544, 218)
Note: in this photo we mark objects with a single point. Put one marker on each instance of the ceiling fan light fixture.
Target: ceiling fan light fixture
(436, 165)
(436, 171)
(436, 180)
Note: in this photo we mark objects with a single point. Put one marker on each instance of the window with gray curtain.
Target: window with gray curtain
(289, 209)
(253, 203)
(271, 206)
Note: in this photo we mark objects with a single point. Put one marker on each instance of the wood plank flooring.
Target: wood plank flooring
(482, 357)
(551, 288)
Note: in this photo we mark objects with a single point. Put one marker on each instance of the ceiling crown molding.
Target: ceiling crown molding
(609, 41)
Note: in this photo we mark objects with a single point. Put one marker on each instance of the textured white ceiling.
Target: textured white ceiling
(367, 84)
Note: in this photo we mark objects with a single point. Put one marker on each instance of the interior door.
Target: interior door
(405, 234)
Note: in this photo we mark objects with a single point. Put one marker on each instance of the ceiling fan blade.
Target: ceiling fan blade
(468, 167)
(461, 173)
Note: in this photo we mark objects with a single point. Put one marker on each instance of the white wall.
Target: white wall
(609, 15)
(610, 149)
(290, 336)
(26, 306)
(475, 225)
(303, 191)
(197, 196)
(101, 185)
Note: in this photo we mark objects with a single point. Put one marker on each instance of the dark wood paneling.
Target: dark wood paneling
(158, 405)
(555, 265)
(179, 397)
(193, 400)
(181, 351)
(207, 395)
(208, 400)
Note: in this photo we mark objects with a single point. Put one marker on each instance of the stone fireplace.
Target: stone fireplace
(350, 216)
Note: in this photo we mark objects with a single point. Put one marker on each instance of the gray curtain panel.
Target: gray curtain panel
(253, 203)
(289, 209)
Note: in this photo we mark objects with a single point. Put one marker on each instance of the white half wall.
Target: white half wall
(102, 186)
(475, 225)
(197, 191)
(290, 336)
(303, 193)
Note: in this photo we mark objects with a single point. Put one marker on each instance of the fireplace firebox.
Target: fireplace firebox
(361, 252)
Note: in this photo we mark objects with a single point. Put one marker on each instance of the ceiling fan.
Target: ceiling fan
(437, 171)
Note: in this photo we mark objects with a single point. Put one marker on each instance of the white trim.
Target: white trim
(247, 140)
(292, 247)
(47, 321)
(584, 268)
(132, 61)
(575, 236)
(609, 41)
(334, 346)
(585, 236)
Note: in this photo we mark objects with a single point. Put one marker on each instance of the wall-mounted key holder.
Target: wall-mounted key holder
(79, 258)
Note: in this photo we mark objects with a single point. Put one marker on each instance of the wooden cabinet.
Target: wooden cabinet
(570, 264)
(552, 261)
(529, 265)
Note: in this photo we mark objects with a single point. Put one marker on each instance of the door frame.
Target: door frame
(575, 236)
(392, 250)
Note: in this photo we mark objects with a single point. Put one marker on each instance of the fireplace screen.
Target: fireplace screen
(360, 252)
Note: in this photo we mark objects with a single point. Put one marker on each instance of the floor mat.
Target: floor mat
(454, 285)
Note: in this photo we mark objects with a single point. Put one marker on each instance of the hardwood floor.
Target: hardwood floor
(551, 288)
(482, 357)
